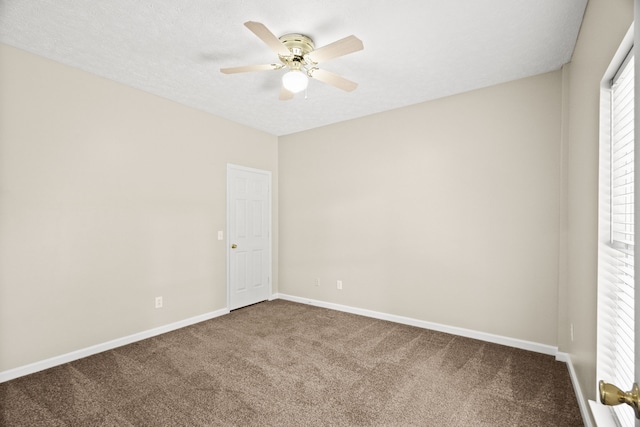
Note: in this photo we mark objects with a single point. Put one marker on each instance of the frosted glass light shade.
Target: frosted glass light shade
(295, 81)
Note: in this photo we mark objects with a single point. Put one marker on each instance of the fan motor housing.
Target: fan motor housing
(298, 44)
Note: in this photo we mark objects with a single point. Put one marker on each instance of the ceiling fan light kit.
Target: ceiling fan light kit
(297, 53)
(295, 81)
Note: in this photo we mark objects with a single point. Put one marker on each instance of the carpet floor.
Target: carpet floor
(280, 363)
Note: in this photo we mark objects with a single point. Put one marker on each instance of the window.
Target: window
(616, 234)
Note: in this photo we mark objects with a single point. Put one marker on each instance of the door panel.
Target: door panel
(249, 249)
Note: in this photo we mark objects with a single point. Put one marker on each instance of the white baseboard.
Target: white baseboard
(602, 415)
(511, 342)
(99, 348)
(582, 402)
(483, 336)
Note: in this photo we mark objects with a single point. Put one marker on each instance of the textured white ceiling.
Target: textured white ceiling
(414, 50)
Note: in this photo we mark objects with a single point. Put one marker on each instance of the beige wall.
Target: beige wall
(604, 26)
(446, 211)
(109, 197)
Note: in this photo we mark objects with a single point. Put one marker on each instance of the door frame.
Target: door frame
(230, 167)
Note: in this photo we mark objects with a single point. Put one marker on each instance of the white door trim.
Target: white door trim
(231, 166)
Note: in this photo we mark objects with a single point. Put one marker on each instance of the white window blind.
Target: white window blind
(616, 249)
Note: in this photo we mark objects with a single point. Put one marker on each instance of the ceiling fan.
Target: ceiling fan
(297, 53)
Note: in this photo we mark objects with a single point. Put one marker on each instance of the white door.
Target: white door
(618, 357)
(249, 236)
(636, 59)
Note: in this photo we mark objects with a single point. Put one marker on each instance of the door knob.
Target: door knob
(612, 395)
(234, 246)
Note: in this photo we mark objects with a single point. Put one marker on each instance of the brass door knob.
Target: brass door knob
(234, 246)
(612, 395)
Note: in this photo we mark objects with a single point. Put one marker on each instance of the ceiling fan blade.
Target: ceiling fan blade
(332, 79)
(285, 95)
(268, 37)
(341, 47)
(247, 68)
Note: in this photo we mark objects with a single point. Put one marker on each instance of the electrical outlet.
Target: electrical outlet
(339, 285)
(158, 302)
(317, 281)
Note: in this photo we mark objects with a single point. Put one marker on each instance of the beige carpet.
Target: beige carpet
(285, 364)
